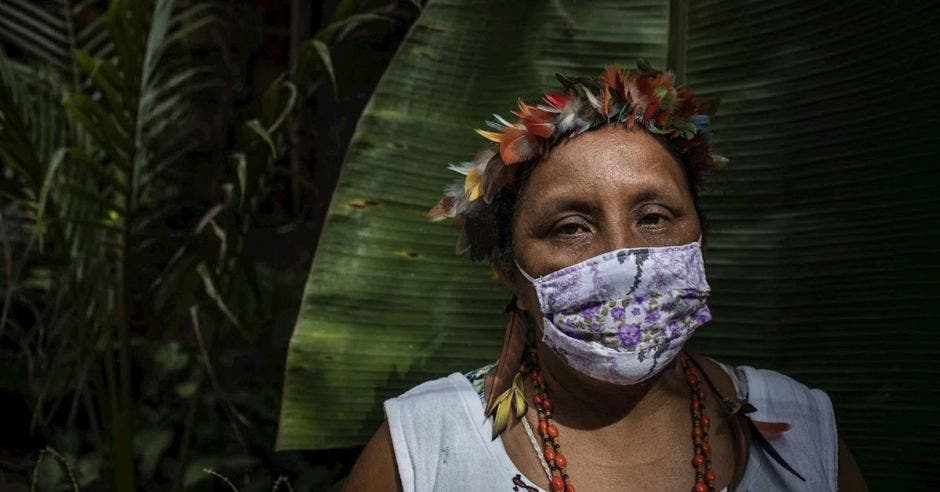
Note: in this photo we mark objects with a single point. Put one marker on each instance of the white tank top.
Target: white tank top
(442, 439)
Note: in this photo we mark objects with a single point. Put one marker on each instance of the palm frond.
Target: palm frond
(49, 32)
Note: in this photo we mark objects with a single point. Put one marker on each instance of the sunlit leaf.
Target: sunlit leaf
(820, 250)
(387, 302)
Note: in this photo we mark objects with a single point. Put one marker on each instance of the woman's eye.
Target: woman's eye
(570, 228)
(652, 219)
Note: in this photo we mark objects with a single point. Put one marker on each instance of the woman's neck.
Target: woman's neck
(582, 402)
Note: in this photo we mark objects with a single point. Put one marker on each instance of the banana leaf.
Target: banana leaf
(822, 254)
(388, 304)
(820, 247)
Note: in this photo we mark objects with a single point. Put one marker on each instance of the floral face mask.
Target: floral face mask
(622, 316)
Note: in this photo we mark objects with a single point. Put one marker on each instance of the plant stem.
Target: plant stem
(187, 437)
(299, 146)
(123, 445)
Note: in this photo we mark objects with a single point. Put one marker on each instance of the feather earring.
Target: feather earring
(506, 398)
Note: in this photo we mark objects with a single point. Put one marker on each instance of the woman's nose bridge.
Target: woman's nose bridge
(618, 232)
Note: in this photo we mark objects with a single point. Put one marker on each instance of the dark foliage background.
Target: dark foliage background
(163, 197)
(195, 403)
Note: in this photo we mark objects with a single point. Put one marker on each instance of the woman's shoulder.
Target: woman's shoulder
(808, 441)
(769, 386)
(438, 402)
(778, 395)
(444, 388)
(439, 434)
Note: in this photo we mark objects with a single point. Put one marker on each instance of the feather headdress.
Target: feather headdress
(645, 98)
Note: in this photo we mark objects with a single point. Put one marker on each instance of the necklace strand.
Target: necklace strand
(555, 463)
(535, 447)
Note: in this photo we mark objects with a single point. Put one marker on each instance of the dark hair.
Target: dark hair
(504, 203)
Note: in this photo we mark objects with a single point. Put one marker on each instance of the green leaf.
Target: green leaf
(28, 26)
(324, 53)
(826, 197)
(171, 358)
(314, 55)
(212, 291)
(824, 216)
(107, 79)
(345, 8)
(241, 169)
(271, 111)
(258, 130)
(150, 446)
(387, 303)
(335, 30)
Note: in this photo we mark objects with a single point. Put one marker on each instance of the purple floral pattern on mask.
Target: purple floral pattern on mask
(591, 311)
(630, 335)
(622, 315)
(565, 291)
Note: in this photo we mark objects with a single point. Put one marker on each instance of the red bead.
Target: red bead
(706, 448)
(569, 487)
(697, 432)
(698, 460)
(700, 487)
(557, 483)
(550, 455)
(552, 431)
(537, 399)
(535, 374)
(560, 460)
(706, 421)
(543, 427)
(691, 379)
(696, 406)
(710, 475)
(547, 405)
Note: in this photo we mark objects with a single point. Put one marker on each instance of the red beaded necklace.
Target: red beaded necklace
(557, 463)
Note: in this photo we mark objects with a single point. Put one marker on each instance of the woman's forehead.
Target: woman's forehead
(606, 161)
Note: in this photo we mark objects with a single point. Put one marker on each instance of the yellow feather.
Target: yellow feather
(520, 403)
(509, 404)
(491, 407)
(502, 416)
(491, 136)
(473, 184)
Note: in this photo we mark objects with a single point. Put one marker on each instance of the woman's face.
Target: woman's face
(607, 189)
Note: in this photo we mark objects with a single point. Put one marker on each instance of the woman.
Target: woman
(588, 210)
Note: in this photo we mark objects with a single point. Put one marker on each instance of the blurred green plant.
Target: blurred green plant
(95, 180)
(123, 230)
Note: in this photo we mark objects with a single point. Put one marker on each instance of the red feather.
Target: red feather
(557, 100)
(771, 430)
(515, 145)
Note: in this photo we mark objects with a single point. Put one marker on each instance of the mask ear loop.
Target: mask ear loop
(523, 272)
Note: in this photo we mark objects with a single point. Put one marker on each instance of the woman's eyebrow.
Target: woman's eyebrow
(651, 195)
(562, 203)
